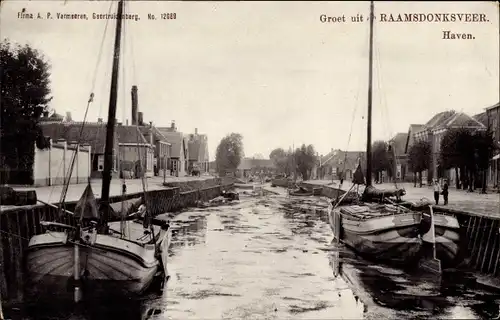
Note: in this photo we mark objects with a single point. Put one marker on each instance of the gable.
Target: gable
(176, 141)
(399, 143)
(464, 120)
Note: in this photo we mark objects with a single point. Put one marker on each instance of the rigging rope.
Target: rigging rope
(119, 160)
(352, 123)
(385, 114)
(99, 127)
(89, 102)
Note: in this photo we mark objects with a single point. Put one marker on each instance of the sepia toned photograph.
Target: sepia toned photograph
(249, 159)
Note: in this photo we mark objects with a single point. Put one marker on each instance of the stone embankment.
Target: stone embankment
(19, 224)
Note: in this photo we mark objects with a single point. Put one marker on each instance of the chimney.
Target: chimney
(172, 125)
(196, 131)
(68, 116)
(99, 120)
(126, 122)
(139, 119)
(150, 123)
(135, 106)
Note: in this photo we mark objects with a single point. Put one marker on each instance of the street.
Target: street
(485, 204)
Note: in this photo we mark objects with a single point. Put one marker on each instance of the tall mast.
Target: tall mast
(369, 118)
(110, 128)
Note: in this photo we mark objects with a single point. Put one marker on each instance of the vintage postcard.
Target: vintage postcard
(249, 160)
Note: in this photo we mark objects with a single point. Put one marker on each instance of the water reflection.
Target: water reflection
(272, 257)
(395, 294)
(188, 229)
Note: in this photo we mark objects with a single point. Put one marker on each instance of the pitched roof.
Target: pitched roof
(496, 105)
(157, 135)
(482, 117)
(129, 134)
(439, 119)
(93, 133)
(176, 140)
(461, 119)
(347, 158)
(414, 128)
(399, 143)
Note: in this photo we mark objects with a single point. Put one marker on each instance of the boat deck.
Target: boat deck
(366, 211)
(134, 231)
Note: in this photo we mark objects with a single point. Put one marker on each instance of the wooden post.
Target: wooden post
(1, 310)
(477, 232)
(76, 270)
(496, 249)
(485, 254)
(467, 233)
(3, 278)
(482, 239)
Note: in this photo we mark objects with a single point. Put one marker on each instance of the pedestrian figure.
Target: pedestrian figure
(445, 192)
(437, 190)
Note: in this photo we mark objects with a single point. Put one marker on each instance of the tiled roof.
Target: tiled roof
(481, 117)
(439, 119)
(129, 134)
(157, 135)
(462, 120)
(93, 133)
(399, 143)
(339, 158)
(497, 105)
(175, 139)
(414, 128)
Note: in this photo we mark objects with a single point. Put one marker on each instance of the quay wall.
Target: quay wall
(479, 233)
(19, 224)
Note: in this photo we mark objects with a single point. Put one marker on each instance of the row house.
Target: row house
(399, 156)
(338, 163)
(198, 152)
(92, 134)
(188, 153)
(132, 153)
(252, 166)
(493, 124)
(178, 162)
(433, 132)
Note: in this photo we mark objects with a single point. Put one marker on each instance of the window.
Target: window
(100, 162)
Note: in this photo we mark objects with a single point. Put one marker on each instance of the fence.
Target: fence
(51, 166)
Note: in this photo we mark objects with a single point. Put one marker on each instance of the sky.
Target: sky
(271, 71)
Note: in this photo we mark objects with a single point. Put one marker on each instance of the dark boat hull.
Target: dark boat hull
(389, 238)
(110, 268)
(447, 231)
(390, 247)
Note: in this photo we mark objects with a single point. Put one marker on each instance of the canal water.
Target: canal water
(261, 258)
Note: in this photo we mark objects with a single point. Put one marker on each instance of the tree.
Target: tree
(25, 94)
(229, 153)
(448, 153)
(458, 151)
(279, 157)
(484, 144)
(419, 158)
(305, 159)
(380, 159)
